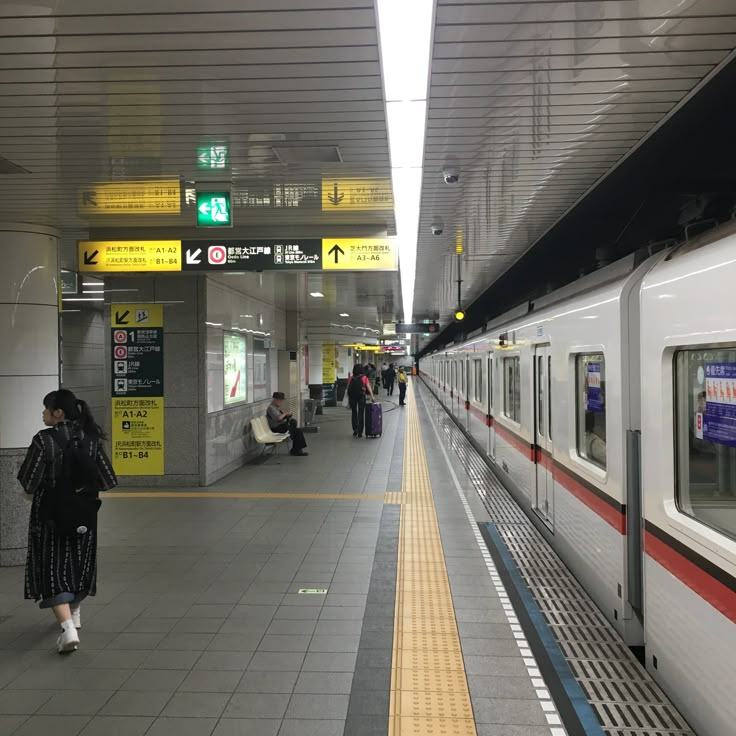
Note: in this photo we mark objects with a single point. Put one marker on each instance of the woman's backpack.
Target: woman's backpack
(356, 387)
(72, 506)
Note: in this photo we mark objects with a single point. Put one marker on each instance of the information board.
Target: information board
(719, 421)
(131, 198)
(328, 362)
(137, 364)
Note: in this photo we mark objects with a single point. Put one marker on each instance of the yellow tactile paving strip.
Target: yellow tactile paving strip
(429, 689)
(217, 494)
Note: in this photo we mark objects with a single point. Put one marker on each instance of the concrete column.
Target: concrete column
(29, 364)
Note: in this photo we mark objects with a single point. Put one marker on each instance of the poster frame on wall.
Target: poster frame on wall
(242, 380)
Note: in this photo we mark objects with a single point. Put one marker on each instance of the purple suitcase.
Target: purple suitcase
(373, 420)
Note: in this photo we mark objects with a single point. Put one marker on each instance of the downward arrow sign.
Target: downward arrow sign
(122, 319)
(193, 257)
(90, 258)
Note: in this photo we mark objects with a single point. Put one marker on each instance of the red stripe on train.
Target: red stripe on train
(723, 599)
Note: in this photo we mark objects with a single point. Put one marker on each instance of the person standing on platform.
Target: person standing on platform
(358, 386)
(402, 379)
(61, 567)
(390, 379)
(283, 422)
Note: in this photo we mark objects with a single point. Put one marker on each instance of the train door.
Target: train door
(489, 412)
(544, 504)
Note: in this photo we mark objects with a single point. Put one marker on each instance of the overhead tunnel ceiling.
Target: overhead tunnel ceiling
(98, 92)
(534, 103)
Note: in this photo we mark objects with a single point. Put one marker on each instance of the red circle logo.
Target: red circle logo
(120, 336)
(120, 352)
(217, 255)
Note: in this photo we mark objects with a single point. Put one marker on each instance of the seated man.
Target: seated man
(283, 422)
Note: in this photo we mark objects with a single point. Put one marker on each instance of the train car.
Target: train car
(600, 409)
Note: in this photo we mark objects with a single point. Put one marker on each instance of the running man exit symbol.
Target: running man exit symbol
(213, 209)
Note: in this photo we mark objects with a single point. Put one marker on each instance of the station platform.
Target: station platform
(348, 592)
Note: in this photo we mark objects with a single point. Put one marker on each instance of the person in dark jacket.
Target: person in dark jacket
(390, 379)
(283, 422)
(61, 569)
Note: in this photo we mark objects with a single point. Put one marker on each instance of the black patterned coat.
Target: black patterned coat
(56, 563)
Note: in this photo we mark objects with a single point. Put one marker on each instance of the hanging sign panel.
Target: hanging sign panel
(359, 254)
(131, 198)
(252, 255)
(128, 256)
(357, 194)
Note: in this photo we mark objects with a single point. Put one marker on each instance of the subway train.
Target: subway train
(608, 409)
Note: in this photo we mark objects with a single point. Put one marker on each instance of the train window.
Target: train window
(706, 436)
(591, 408)
(478, 380)
(512, 389)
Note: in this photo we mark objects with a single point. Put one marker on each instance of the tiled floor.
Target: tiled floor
(199, 627)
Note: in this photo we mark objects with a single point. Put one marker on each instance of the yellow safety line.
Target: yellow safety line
(218, 494)
(429, 688)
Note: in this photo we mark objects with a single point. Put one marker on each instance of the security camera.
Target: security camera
(437, 228)
(451, 175)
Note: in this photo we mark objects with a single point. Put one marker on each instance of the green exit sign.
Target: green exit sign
(213, 209)
(214, 156)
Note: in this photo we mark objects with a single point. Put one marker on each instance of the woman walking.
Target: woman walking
(61, 567)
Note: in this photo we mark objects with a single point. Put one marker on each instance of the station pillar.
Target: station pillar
(29, 364)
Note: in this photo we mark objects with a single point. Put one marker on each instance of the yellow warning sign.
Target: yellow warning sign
(357, 194)
(359, 254)
(138, 436)
(125, 256)
(131, 198)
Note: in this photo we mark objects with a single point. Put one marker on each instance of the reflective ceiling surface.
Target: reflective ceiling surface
(95, 91)
(534, 102)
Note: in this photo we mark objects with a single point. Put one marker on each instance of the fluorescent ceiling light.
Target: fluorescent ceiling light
(316, 294)
(344, 314)
(84, 299)
(405, 32)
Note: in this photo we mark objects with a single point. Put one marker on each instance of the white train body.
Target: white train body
(599, 409)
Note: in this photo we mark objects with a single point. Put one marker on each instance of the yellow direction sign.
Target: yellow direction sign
(137, 315)
(131, 198)
(129, 256)
(138, 436)
(359, 254)
(356, 194)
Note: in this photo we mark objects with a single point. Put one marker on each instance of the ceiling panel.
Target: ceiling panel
(96, 92)
(535, 102)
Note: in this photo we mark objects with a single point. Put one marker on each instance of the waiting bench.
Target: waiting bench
(264, 435)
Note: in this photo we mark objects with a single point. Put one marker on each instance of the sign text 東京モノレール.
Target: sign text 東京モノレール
(137, 256)
(252, 255)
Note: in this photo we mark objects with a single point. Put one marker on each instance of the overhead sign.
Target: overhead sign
(417, 327)
(120, 256)
(359, 254)
(137, 381)
(213, 156)
(252, 255)
(213, 209)
(357, 194)
(131, 198)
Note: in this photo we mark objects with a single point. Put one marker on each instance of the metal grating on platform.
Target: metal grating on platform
(626, 700)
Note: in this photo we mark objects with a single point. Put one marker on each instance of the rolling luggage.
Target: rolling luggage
(373, 420)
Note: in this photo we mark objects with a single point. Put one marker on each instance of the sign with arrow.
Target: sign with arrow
(161, 197)
(252, 255)
(356, 194)
(359, 254)
(214, 156)
(129, 256)
(213, 209)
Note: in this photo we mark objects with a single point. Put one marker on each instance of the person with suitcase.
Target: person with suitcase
(358, 386)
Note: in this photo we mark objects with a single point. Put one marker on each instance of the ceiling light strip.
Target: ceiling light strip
(405, 34)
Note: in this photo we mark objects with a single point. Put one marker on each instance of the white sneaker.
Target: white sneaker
(68, 641)
(77, 618)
